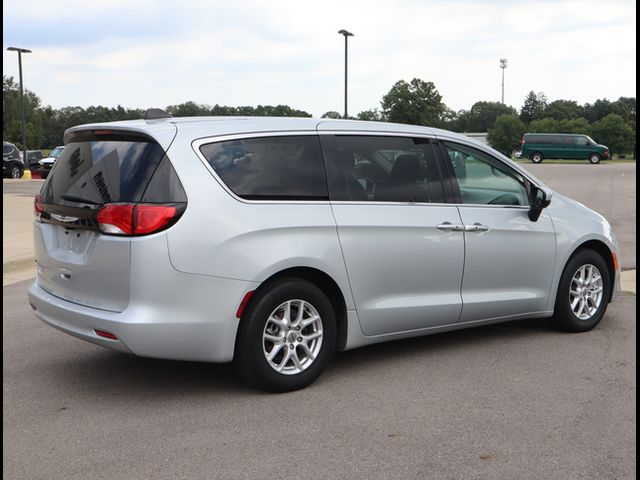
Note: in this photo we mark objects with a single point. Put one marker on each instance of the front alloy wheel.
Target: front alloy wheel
(15, 171)
(594, 158)
(584, 292)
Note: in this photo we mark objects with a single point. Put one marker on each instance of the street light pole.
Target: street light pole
(24, 122)
(503, 65)
(346, 36)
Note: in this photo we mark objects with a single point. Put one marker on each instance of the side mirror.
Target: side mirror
(540, 199)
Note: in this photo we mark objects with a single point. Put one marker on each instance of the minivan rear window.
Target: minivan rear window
(270, 168)
(102, 170)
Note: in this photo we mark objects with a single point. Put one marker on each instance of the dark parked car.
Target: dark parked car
(12, 165)
(33, 157)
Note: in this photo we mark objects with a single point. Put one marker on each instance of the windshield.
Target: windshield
(591, 140)
(55, 153)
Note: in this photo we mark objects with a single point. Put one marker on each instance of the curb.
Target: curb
(18, 264)
(628, 281)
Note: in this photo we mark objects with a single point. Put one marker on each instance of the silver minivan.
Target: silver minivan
(274, 242)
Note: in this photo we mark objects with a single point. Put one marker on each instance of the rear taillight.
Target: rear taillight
(522, 141)
(37, 206)
(131, 219)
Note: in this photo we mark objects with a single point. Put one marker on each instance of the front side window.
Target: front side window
(270, 168)
(382, 169)
(582, 141)
(484, 180)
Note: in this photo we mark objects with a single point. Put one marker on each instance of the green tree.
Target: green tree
(563, 110)
(457, 121)
(373, 115)
(575, 125)
(598, 109)
(416, 103)
(534, 107)
(189, 109)
(331, 114)
(506, 133)
(483, 115)
(12, 118)
(614, 132)
(545, 125)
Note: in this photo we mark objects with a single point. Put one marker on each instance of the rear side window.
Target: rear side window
(563, 140)
(270, 168)
(382, 169)
(111, 170)
(539, 139)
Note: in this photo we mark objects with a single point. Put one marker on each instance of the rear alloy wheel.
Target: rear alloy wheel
(287, 336)
(15, 171)
(536, 157)
(583, 293)
(594, 158)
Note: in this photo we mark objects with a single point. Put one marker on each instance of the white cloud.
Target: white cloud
(249, 52)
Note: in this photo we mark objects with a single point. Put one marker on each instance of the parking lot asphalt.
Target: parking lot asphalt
(516, 400)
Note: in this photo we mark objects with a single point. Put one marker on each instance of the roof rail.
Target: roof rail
(156, 113)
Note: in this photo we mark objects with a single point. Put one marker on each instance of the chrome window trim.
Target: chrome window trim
(199, 142)
(392, 204)
(364, 133)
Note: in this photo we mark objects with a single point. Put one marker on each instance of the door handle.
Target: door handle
(476, 227)
(449, 227)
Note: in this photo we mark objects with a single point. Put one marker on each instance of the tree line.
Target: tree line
(45, 125)
(416, 102)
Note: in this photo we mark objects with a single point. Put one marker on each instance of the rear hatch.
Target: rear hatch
(105, 188)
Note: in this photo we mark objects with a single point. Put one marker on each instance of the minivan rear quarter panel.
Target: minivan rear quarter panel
(244, 239)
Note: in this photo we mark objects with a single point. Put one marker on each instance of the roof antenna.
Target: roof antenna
(155, 114)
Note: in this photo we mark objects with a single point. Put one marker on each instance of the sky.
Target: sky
(154, 53)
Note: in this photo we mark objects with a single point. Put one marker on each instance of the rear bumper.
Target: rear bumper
(202, 331)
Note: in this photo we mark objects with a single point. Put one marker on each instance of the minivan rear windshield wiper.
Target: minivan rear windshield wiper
(78, 199)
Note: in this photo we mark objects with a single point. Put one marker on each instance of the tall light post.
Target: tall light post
(346, 36)
(503, 65)
(24, 122)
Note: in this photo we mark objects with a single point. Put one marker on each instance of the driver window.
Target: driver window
(484, 180)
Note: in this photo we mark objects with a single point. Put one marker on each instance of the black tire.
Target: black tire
(594, 158)
(536, 157)
(16, 171)
(564, 318)
(250, 359)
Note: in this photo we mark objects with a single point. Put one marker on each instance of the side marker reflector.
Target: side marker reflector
(243, 304)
